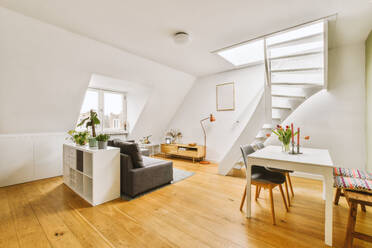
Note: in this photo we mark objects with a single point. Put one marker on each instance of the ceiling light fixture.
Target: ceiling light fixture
(181, 37)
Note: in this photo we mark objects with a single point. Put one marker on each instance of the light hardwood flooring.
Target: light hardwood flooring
(201, 211)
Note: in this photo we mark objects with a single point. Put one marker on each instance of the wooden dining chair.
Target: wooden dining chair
(263, 178)
(285, 173)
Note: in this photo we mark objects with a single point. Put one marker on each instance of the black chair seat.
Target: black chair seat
(280, 170)
(262, 175)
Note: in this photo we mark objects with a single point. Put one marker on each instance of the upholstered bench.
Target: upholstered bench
(354, 173)
(353, 184)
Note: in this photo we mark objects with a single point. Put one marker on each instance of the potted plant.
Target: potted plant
(80, 138)
(175, 134)
(102, 140)
(91, 121)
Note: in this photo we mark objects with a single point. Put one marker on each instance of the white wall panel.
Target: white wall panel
(28, 157)
(16, 163)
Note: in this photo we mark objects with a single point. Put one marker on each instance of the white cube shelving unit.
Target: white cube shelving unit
(94, 174)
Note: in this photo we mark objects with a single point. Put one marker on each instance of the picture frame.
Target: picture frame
(225, 97)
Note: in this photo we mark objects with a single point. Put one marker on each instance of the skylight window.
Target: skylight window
(247, 53)
(307, 38)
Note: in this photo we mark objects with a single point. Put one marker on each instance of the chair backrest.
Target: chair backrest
(260, 145)
(246, 150)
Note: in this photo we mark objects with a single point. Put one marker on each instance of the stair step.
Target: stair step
(281, 107)
(296, 55)
(289, 96)
(260, 137)
(238, 165)
(298, 69)
(267, 126)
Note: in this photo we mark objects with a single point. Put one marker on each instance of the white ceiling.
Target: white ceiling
(145, 27)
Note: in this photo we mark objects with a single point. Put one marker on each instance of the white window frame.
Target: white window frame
(100, 112)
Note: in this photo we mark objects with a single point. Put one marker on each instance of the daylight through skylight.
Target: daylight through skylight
(244, 54)
(308, 37)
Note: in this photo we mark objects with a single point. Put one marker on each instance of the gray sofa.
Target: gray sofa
(140, 173)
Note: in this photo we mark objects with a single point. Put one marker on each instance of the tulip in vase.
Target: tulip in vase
(284, 136)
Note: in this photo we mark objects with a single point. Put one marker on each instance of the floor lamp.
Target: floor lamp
(211, 119)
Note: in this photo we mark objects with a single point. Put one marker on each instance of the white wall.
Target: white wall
(201, 101)
(335, 119)
(369, 100)
(45, 70)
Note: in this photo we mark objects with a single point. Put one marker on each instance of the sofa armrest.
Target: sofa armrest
(126, 162)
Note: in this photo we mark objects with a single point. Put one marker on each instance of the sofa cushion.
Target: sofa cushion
(130, 149)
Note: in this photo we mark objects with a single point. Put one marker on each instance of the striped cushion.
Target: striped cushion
(355, 173)
(353, 183)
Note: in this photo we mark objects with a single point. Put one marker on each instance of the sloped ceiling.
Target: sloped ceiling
(145, 27)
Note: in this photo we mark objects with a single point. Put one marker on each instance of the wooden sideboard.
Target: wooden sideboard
(183, 150)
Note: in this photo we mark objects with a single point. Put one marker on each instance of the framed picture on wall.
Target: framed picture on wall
(225, 97)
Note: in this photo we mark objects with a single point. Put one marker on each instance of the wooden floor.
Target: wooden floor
(201, 211)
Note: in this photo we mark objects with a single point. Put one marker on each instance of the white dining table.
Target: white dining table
(314, 161)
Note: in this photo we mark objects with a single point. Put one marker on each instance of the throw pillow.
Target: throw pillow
(132, 150)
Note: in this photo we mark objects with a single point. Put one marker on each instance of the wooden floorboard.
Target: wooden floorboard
(201, 211)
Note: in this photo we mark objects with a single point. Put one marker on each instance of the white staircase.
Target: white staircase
(296, 63)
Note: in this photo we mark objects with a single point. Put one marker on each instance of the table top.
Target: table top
(309, 156)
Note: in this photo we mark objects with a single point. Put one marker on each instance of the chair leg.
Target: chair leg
(272, 205)
(290, 184)
(284, 201)
(337, 196)
(286, 190)
(256, 196)
(351, 225)
(363, 206)
(259, 191)
(243, 198)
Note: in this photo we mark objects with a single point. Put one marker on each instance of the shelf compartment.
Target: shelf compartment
(88, 188)
(88, 164)
(79, 183)
(72, 178)
(80, 160)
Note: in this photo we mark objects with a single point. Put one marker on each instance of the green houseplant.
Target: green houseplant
(102, 140)
(80, 138)
(91, 121)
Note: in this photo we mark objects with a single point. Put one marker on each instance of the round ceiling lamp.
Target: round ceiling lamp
(181, 37)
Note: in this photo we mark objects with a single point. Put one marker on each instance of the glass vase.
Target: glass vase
(285, 147)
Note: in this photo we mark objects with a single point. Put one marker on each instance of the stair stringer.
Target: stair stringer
(256, 120)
